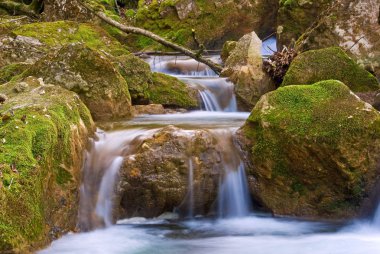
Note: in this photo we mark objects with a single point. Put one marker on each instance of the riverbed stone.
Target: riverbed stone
(244, 67)
(41, 155)
(312, 151)
(154, 179)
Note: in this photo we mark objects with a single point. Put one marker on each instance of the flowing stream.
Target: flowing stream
(236, 229)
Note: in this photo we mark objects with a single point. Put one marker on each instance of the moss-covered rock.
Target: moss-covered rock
(244, 67)
(329, 63)
(9, 71)
(30, 42)
(295, 17)
(213, 21)
(171, 92)
(91, 75)
(352, 25)
(138, 75)
(41, 148)
(313, 150)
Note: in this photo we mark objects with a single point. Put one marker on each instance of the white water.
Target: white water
(235, 231)
(216, 94)
(233, 197)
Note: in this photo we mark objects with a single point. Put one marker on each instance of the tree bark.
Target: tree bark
(135, 30)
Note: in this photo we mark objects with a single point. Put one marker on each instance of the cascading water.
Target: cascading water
(100, 173)
(217, 94)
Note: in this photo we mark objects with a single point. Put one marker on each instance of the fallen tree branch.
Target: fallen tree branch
(135, 30)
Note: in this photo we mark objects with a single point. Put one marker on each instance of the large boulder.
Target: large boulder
(28, 43)
(244, 67)
(352, 25)
(313, 151)
(155, 178)
(44, 131)
(329, 63)
(225, 20)
(295, 17)
(172, 92)
(91, 75)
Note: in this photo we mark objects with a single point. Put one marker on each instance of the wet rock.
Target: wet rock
(329, 63)
(92, 76)
(244, 67)
(154, 179)
(171, 92)
(151, 109)
(44, 141)
(352, 25)
(313, 151)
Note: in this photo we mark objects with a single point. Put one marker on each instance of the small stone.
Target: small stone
(3, 98)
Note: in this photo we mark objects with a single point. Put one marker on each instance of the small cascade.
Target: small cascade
(233, 197)
(233, 193)
(376, 217)
(190, 192)
(100, 174)
(216, 94)
(181, 66)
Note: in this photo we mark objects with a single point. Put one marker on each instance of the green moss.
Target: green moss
(61, 33)
(311, 140)
(138, 75)
(37, 148)
(169, 91)
(9, 71)
(329, 63)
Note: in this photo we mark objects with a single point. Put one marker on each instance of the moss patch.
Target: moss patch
(169, 91)
(9, 71)
(329, 63)
(34, 153)
(61, 33)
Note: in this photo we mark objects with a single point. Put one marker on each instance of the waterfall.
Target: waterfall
(100, 174)
(233, 198)
(190, 192)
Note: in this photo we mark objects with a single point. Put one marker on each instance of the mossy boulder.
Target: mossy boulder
(226, 20)
(329, 63)
(138, 75)
(41, 155)
(352, 25)
(295, 17)
(244, 67)
(154, 179)
(30, 42)
(171, 92)
(91, 75)
(313, 151)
